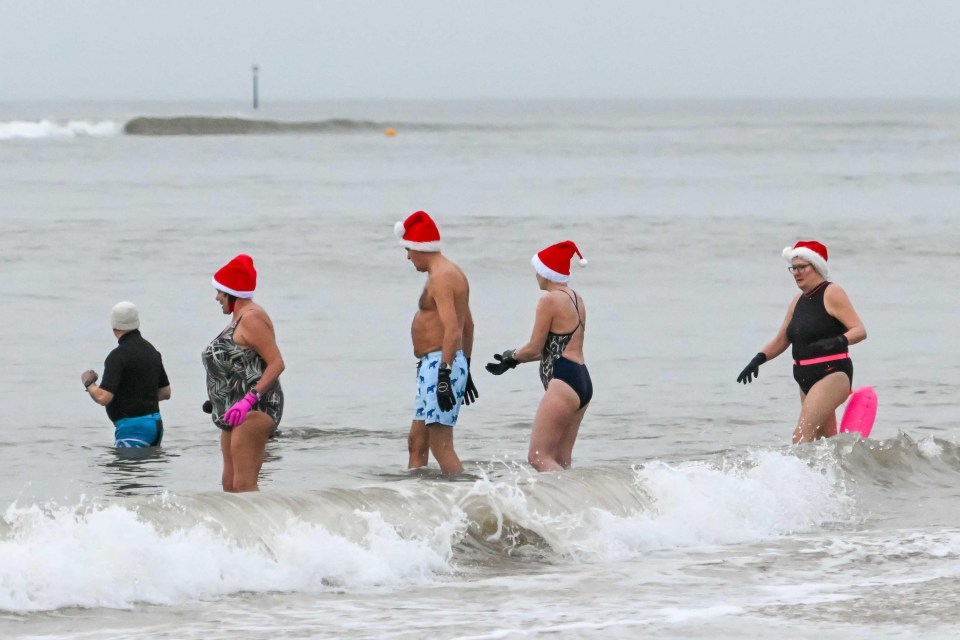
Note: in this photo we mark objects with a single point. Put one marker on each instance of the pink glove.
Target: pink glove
(238, 412)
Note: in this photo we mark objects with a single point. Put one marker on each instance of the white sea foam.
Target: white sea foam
(17, 129)
(111, 558)
(670, 506)
(699, 505)
(929, 448)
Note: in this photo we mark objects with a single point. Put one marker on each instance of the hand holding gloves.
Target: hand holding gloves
(446, 400)
(504, 362)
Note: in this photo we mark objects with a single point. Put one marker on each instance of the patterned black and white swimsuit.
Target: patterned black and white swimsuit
(232, 371)
(554, 365)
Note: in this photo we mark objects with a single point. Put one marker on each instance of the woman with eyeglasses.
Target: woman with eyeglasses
(820, 324)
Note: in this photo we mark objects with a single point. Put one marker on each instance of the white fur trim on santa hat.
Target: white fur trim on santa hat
(433, 246)
(811, 256)
(547, 272)
(239, 294)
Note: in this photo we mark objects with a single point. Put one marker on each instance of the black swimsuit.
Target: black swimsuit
(554, 365)
(811, 322)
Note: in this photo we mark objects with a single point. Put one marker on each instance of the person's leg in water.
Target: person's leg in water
(818, 417)
(244, 448)
(418, 445)
(441, 445)
(569, 438)
(554, 416)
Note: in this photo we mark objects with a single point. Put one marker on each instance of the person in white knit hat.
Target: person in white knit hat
(134, 382)
(557, 343)
(820, 324)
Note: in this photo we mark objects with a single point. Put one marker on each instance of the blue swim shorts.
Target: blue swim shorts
(142, 431)
(426, 408)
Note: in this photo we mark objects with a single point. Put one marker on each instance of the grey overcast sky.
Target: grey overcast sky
(436, 49)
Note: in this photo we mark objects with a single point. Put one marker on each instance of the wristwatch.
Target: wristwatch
(445, 367)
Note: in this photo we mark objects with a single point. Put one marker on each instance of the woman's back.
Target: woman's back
(567, 325)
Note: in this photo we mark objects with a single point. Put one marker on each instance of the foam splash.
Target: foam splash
(25, 129)
(109, 557)
(699, 505)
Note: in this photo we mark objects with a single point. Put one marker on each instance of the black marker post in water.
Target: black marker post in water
(256, 97)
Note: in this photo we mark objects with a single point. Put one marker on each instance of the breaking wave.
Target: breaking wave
(178, 548)
(26, 129)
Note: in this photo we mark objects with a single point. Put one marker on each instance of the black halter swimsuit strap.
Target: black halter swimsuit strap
(576, 305)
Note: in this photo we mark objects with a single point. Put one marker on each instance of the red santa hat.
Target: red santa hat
(237, 277)
(553, 263)
(811, 251)
(418, 232)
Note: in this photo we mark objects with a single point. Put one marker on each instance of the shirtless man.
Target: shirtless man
(442, 333)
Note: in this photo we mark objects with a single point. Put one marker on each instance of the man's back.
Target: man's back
(133, 372)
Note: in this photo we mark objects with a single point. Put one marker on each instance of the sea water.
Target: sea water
(687, 513)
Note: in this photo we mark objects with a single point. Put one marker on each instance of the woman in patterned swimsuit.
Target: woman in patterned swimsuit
(557, 342)
(243, 365)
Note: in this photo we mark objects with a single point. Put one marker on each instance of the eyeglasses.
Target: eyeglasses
(798, 268)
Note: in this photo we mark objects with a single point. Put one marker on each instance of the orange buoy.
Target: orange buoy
(390, 132)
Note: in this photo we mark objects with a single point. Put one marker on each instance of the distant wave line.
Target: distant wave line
(214, 126)
(194, 125)
(227, 125)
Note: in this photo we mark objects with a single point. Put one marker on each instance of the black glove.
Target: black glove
(470, 394)
(504, 362)
(207, 406)
(445, 398)
(828, 346)
(752, 370)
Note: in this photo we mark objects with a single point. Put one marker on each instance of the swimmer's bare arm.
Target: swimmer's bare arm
(89, 380)
(259, 335)
(442, 289)
(780, 343)
(467, 341)
(838, 305)
(99, 395)
(546, 308)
